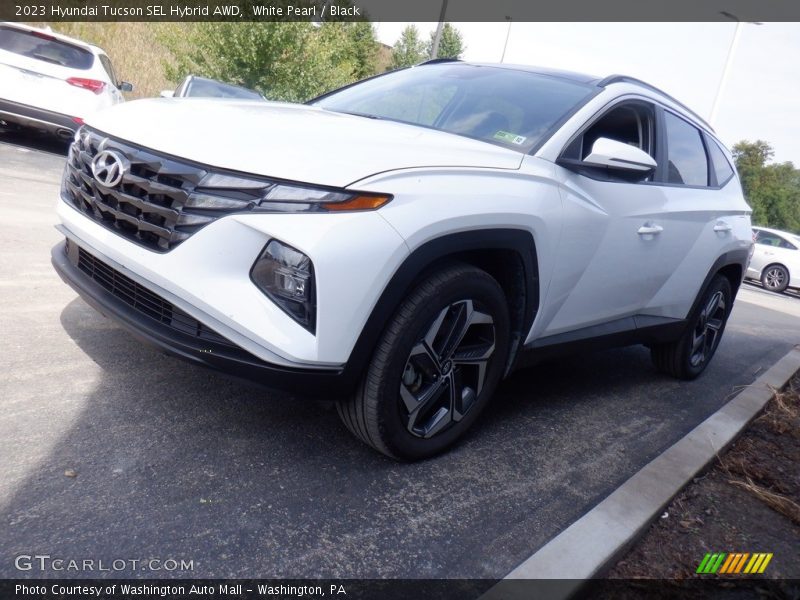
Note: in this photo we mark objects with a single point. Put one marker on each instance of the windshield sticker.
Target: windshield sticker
(511, 138)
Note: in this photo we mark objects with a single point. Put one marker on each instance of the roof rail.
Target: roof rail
(433, 61)
(626, 79)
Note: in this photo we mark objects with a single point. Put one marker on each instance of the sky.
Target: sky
(761, 98)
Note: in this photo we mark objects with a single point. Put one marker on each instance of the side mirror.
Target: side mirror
(125, 86)
(611, 160)
(167, 94)
(618, 155)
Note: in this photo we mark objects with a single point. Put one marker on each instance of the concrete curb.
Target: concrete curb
(592, 542)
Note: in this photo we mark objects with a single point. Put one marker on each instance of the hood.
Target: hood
(291, 141)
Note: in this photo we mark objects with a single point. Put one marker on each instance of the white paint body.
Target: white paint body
(787, 255)
(594, 264)
(41, 84)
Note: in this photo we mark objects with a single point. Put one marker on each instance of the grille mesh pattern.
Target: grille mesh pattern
(143, 300)
(158, 203)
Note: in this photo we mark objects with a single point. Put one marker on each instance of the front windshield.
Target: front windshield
(507, 107)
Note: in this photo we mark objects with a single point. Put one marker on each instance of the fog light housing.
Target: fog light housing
(286, 276)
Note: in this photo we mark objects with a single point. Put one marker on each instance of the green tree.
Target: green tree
(363, 48)
(771, 189)
(451, 44)
(409, 49)
(291, 61)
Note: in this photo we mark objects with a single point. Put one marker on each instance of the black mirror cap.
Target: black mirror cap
(125, 86)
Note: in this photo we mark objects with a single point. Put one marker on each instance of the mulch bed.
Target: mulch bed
(747, 501)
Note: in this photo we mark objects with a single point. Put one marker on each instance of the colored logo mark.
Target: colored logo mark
(734, 563)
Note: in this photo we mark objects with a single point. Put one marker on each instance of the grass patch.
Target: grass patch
(135, 49)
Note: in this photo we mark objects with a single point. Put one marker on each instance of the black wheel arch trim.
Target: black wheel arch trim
(739, 258)
(427, 256)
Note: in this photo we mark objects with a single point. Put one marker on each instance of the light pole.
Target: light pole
(438, 37)
(728, 61)
(508, 33)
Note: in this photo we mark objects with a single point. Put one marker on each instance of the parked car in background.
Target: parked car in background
(400, 245)
(51, 82)
(201, 87)
(776, 259)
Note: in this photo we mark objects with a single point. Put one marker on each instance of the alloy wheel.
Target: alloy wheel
(775, 278)
(446, 369)
(707, 330)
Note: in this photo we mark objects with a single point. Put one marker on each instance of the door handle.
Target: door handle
(650, 229)
(722, 227)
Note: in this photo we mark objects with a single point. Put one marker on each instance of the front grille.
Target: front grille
(159, 202)
(142, 299)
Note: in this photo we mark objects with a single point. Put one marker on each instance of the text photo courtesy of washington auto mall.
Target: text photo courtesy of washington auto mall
(430, 300)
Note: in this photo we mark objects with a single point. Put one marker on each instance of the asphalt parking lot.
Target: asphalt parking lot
(174, 462)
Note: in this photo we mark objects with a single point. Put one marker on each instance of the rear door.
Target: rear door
(704, 209)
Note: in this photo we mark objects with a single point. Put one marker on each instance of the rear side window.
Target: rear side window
(765, 238)
(722, 168)
(686, 156)
(41, 46)
(106, 62)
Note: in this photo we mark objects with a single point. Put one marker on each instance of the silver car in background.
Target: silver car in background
(202, 87)
(776, 259)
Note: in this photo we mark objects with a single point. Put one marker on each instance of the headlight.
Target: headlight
(221, 191)
(286, 276)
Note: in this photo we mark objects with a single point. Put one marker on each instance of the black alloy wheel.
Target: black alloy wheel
(436, 365)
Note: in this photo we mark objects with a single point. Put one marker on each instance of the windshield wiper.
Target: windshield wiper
(359, 114)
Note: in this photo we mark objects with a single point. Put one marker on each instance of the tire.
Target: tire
(775, 278)
(437, 363)
(688, 356)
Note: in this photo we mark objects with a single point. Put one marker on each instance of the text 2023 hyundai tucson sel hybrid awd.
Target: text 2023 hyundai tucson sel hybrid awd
(401, 243)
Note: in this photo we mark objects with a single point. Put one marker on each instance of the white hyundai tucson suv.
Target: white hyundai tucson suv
(400, 245)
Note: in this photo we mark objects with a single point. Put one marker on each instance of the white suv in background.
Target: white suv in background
(402, 244)
(52, 82)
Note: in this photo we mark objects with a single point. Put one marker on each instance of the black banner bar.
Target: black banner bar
(395, 589)
(399, 10)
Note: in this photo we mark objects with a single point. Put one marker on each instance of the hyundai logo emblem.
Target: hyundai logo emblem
(108, 167)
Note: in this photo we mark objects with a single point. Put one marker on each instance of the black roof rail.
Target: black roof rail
(433, 61)
(626, 79)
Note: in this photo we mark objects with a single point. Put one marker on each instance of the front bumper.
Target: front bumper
(208, 277)
(122, 300)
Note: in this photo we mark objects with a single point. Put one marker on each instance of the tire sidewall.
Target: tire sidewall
(719, 283)
(482, 289)
(764, 278)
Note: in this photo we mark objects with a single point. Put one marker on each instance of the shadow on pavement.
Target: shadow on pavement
(174, 461)
(34, 141)
(788, 292)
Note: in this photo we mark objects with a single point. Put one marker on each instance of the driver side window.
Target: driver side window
(631, 123)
